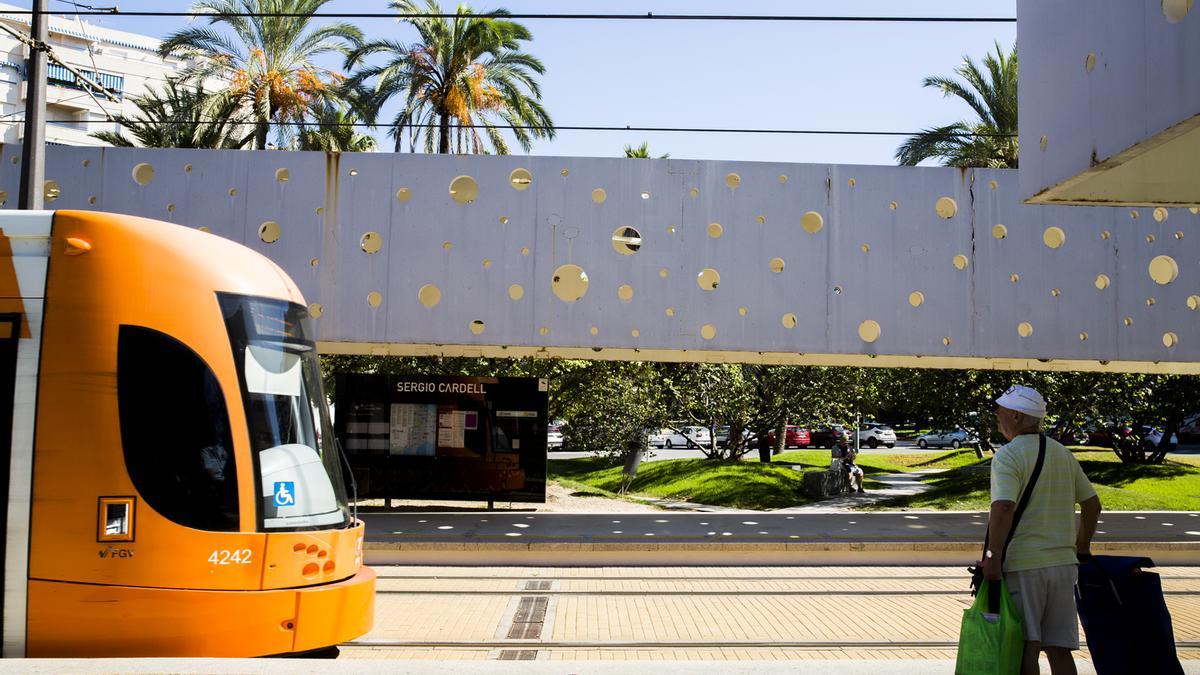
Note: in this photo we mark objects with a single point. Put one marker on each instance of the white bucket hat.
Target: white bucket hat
(1023, 399)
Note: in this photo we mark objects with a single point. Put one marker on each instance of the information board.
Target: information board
(431, 437)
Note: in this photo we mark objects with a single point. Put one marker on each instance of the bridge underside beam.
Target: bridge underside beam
(765, 358)
(1110, 102)
(677, 259)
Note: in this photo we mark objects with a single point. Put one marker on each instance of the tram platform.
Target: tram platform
(898, 538)
(390, 667)
(668, 619)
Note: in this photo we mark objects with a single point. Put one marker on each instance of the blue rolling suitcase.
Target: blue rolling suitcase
(1124, 617)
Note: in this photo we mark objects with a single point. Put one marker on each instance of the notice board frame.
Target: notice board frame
(439, 438)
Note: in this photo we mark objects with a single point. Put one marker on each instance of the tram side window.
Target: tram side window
(175, 431)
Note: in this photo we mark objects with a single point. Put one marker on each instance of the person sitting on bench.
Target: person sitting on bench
(854, 473)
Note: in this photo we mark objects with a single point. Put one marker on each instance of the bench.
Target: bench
(822, 484)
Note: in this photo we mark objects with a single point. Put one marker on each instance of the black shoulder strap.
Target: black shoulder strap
(1025, 496)
(1028, 493)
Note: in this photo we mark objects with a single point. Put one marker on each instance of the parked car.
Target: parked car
(687, 437)
(953, 438)
(723, 436)
(794, 437)
(874, 435)
(1190, 429)
(827, 436)
(656, 438)
(1108, 434)
(1067, 436)
(554, 437)
(1154, 436)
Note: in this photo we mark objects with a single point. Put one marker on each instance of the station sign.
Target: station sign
(439, 437)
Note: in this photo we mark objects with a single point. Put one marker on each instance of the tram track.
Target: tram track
(774, 585)
(679, 644)
(701, 593)
(689, 613)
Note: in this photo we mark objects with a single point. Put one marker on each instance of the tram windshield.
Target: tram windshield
(296, 461)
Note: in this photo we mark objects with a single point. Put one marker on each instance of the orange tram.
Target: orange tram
(174, 487)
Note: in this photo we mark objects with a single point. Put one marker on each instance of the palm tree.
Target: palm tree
(642, 152)
(175, 118)
(989, 141)
(334, 130)
(465, 73)
(266, 65)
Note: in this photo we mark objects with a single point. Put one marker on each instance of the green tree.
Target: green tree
(711, 395)
(610, 406)
(988, 141)
(465, 74)
(642, 152)
(334, 129)
(1164, 401)
(174, 117)
(267, 62)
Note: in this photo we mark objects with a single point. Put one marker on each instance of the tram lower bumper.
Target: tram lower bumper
(86, 620)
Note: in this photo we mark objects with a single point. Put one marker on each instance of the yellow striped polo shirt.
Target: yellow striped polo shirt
(1046, 534)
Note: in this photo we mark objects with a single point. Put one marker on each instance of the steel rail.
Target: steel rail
(680, 644)
(701, 592)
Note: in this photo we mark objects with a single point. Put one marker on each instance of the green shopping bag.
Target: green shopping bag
(991, 642)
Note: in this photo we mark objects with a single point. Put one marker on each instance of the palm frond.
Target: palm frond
(987, 141)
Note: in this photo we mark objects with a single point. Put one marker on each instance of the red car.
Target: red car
(1107, 435)
(827, 436)
(796, 437)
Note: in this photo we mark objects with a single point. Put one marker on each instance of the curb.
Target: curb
(717, 553)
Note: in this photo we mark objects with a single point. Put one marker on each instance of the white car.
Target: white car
(656, 439)
(554, 438)
(686, 437)
(1154, 436)
(874, 435)
(954, 438)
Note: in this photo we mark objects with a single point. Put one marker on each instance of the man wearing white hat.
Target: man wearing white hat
(1040, 565)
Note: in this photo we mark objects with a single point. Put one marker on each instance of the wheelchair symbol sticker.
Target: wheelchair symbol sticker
(285, 493)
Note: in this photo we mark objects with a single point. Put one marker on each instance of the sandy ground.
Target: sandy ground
(558, 500)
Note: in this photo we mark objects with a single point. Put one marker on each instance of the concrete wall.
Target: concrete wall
(1110, 101)
(880, 241)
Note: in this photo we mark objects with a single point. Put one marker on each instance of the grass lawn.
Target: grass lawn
(1172, 486)
(745, 485)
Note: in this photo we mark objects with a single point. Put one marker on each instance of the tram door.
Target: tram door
(10, 333)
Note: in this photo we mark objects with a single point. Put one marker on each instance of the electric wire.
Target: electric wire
(91, 54)
(588, 127)
(81, 9)
(648, 16)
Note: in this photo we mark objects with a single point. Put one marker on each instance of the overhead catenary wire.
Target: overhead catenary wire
(91, 53)
(91, 10)
(647, 129)
(647, 16)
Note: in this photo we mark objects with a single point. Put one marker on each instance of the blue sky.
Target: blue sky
(720, 74)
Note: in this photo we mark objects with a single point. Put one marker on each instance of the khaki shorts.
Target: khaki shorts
(1046, 599)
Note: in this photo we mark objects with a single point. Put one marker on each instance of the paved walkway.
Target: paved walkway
(731, 614)
(852, 620)
(895, 485)
(404, 662)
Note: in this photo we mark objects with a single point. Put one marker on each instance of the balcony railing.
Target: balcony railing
(60, 76)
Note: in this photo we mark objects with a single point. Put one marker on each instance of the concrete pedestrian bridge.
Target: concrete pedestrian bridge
(676, 259)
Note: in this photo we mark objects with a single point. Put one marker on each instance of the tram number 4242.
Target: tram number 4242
(230, 557)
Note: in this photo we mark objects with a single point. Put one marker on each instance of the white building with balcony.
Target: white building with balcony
(123, 62)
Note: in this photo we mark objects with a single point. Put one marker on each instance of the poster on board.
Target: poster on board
(437, 437)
